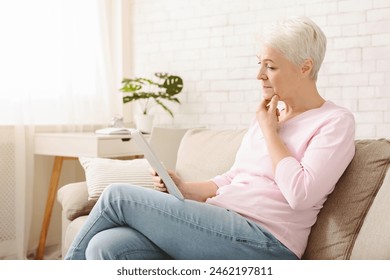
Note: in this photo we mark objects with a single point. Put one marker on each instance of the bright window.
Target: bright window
(52, 61)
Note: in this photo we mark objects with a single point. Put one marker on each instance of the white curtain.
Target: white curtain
(60, 65)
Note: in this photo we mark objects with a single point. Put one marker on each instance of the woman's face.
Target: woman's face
(278, 75)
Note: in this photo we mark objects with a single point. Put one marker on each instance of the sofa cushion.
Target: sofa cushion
(101, 172)
(206, 153)
(373, 240)
(339, 222)
(74, 200)
(165, 142)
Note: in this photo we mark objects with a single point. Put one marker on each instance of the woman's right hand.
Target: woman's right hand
(267, 115)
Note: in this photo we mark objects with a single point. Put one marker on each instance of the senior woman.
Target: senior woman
(265, 205)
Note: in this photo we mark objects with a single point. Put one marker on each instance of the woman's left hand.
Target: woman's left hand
(267, 115)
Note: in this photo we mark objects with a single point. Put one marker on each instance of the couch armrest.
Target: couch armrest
(74, 200)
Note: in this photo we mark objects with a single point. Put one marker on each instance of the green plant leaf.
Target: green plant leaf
(173, 85)
(169, 86)
(161, 75)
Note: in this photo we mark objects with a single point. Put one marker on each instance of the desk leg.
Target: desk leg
(55, 176)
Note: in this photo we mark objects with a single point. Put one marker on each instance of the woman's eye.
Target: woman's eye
(267, 66)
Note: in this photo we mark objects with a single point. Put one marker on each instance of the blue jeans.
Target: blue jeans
(130, 222)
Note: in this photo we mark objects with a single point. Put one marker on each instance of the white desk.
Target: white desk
(71, 146)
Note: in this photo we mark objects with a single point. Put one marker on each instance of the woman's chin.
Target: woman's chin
(268, 96)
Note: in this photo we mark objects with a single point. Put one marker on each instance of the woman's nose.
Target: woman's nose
(261, 75)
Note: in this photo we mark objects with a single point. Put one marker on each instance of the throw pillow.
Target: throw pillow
(101, 172)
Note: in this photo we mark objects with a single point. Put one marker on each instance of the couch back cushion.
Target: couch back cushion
(206, 153)
(165, 142)
(340, 221)
(373, 240)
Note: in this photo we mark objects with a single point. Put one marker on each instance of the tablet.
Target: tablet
(156, 164)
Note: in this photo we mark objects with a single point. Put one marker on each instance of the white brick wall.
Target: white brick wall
(211, 44)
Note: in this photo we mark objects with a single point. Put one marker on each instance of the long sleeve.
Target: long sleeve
(304, 183)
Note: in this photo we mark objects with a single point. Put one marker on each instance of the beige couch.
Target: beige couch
(355, 220)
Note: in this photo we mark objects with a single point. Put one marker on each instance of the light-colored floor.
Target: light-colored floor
(51, 253)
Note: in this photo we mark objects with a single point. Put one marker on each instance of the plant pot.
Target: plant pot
(144, 123)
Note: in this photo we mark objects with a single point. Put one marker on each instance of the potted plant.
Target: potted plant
(146, 91)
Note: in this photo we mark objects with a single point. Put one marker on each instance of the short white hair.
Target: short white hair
(298, 39)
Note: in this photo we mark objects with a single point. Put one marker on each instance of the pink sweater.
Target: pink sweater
(287, 203)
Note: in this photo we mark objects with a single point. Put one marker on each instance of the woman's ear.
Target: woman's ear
(306, 67)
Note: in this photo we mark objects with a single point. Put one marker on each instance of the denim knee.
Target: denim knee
(96, 250)
(117, 189)
(114, 189)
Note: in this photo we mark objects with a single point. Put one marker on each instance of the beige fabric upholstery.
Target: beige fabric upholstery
(71, 231)
(74, 200)
(373, 241)
(165, 142)
(334, 234)
(205, 153)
